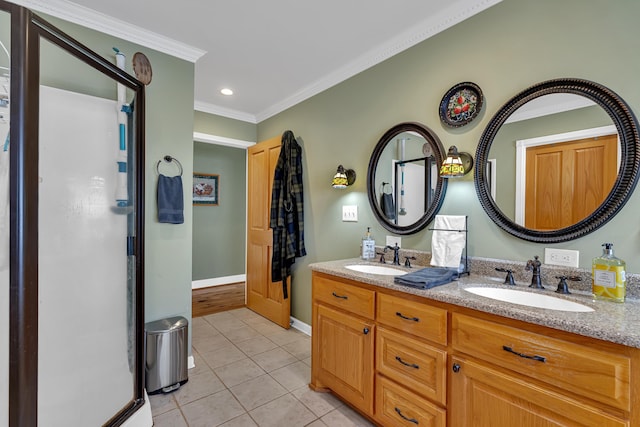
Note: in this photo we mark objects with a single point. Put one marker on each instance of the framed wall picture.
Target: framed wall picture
(205, 189)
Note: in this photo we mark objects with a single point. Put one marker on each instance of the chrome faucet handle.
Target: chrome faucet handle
(563, 288)
(509, 279)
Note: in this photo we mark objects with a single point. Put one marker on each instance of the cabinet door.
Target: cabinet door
(344, 349)
(484, 397)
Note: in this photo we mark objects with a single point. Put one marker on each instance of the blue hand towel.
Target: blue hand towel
(427, 278)
(170, 199)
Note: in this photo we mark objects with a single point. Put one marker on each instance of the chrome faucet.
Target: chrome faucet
(534, 265)
(396, 255)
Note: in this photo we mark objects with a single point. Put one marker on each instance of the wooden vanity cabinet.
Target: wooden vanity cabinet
(506, 376)
(403, 360)
(343, 341)
(383, 354)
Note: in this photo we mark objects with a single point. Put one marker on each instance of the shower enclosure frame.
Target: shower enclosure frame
(26, 30)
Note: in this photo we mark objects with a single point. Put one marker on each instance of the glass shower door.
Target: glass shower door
(86, 269)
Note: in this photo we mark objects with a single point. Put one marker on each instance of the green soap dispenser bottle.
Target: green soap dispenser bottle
(368, 246)
(608, 274)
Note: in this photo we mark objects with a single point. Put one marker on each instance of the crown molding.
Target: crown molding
(452, 15)
(105, 24)
(221, 140)
(206, 107)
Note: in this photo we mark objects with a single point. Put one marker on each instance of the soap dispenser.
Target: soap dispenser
(608, 274)
(368, 246)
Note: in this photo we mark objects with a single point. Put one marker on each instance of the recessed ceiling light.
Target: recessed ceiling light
(226, 91)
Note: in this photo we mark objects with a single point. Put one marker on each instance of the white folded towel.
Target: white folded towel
(447, 246)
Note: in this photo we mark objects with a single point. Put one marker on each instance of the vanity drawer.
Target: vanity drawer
(348, 297)
(412, 363)
(413, 317)
(593, 373)
(396, 406)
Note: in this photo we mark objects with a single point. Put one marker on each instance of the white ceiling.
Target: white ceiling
(274, 53)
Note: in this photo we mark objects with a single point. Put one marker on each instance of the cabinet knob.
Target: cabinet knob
(365, 331)
(455, 368)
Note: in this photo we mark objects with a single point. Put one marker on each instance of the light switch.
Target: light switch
(350, 213)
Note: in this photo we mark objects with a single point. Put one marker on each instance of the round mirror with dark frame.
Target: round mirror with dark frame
(527, 172)
(403, 183)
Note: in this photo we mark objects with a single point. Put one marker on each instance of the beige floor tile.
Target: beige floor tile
(286, 336)
(268, 329)
(256, 345)
(258, 391)
(199, 386)
(212, 410)
(227, 325)
(223, 356)
(217, 317)
(293, 376)
(241, 421)
(241, 334)
(238, 372)
(200, 365)
(245, 314)
(319, 403)
(172, 418)
(284, 411)
(307, 361)
(300, 348)
(211, 343)
(317, 423)
(161, 403)
(274, 359)
(345, 417)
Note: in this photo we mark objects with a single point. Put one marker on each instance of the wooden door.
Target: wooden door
(263, 296)
(566, 182)
(485, 397)
(344, 345)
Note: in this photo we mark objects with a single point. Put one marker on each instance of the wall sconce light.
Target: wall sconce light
(343, 178)
(456, 164)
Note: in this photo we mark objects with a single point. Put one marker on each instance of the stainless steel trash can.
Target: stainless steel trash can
(166, 358)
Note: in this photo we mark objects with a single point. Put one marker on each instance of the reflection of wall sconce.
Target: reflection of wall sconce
(343, 178)
(456, 164)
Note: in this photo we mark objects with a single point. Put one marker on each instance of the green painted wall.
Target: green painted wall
(219, 234)
(169, 131)
(504, 50)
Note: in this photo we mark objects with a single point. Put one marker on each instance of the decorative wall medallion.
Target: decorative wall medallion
(461, 104)
(142, 68)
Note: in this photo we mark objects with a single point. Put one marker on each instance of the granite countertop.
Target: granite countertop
(614, 322)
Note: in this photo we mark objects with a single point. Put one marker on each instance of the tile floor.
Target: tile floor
(249, 372)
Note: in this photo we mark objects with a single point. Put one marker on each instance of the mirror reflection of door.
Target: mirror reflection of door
(566, 182)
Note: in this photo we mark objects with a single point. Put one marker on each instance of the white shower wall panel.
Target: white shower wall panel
(84, 373)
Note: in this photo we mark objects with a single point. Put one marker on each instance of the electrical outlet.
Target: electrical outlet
(350, 213)
(392, 240)
(563, 257)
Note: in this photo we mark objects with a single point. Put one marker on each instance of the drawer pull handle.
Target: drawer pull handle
(411, 420)
(415, 319)
(339, 296)
(526, 356)
(365, 331)
(411, 365)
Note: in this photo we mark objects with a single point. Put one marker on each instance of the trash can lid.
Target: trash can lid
(166, 325)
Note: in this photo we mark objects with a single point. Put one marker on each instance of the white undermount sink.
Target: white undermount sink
(376, 269)
(529, 299)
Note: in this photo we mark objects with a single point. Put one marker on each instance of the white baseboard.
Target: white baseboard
(191, 362)
(301, 326)
(218, 281)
